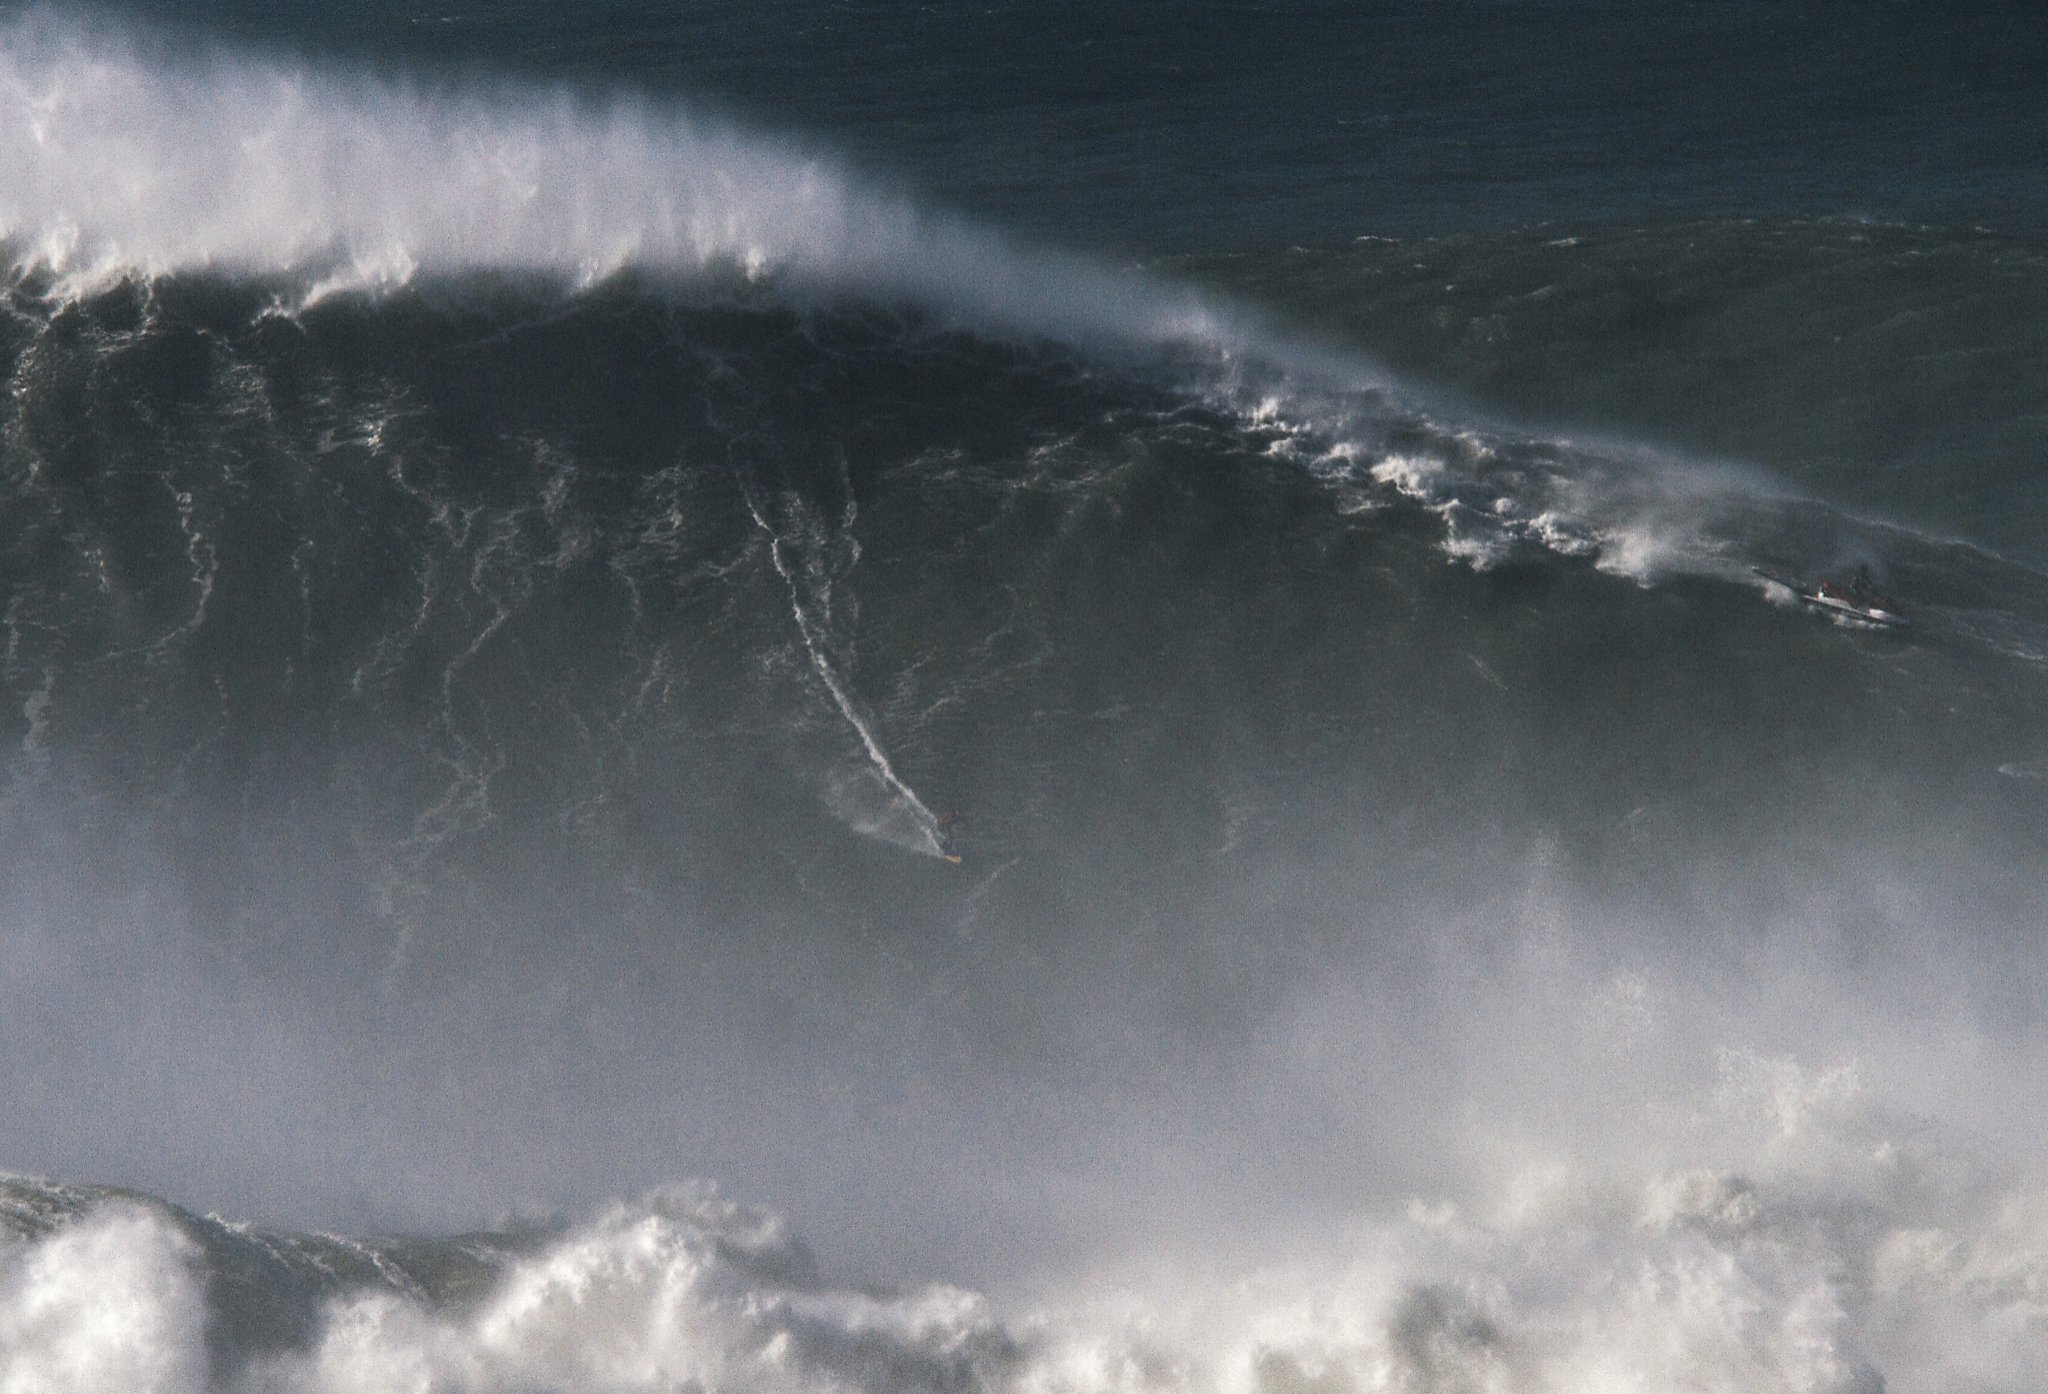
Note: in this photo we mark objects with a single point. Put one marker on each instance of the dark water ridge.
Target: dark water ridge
(488, 682)
(380, 520)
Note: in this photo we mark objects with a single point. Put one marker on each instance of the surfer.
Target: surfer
(1856, 599)
(1861, 598)
(943, 828)
(1858, 591)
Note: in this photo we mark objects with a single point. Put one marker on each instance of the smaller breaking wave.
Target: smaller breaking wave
(1793, 1236)
(1502, 494)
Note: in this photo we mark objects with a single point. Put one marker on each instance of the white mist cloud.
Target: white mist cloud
(114, 1302)
(119, 157)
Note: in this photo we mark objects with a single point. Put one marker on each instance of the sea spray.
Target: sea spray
(1908, 1271)
(123, 155)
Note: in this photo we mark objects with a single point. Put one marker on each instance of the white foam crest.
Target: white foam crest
(679, 1292)
(110, 1303)
(1843, 1255)
(1797, 1240)
(1635, 512)
(1417, 476)
(118, 159)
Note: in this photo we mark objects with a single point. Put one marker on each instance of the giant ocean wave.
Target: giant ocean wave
(510, 597)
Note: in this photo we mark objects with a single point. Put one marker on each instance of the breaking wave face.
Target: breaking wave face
(1854, 1255)
(514, 603)
(125, 158)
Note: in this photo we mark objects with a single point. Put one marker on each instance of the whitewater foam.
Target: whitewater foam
(111, 1302)
(1847, 1252)
(121, 156)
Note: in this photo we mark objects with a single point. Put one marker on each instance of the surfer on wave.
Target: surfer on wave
(1856, 599)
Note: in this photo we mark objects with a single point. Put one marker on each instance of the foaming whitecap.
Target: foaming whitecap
(114, 1301)
(1797, 1237)
(120, 159)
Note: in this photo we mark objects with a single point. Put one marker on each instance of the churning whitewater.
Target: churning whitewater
(1852, 1247)
(1237, 820)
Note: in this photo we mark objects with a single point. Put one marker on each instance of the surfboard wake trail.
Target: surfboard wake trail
(874, 799)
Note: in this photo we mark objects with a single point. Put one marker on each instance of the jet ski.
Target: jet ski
(1855, 599)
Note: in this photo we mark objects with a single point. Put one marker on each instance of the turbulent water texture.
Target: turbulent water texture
(1244, 823)
(1848, 1247)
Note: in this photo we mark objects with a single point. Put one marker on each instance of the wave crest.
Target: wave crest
(1748, 1258)
(120, 156)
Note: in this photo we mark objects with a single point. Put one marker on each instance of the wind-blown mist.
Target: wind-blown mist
(512, 601)
(123, 157)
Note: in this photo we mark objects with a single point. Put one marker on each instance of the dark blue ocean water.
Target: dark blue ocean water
(1168, 127)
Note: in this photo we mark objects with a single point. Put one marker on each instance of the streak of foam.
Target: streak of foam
(898, 815)
(35, 737)
(205, 562)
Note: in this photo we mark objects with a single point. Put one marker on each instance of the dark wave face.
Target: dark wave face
(553, 648)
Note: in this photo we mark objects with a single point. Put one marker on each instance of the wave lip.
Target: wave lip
(120, 159)
(116, 164)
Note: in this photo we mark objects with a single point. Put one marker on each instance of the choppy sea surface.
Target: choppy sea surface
(1032, 697)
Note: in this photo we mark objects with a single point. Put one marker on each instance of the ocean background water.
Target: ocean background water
(532, 535)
